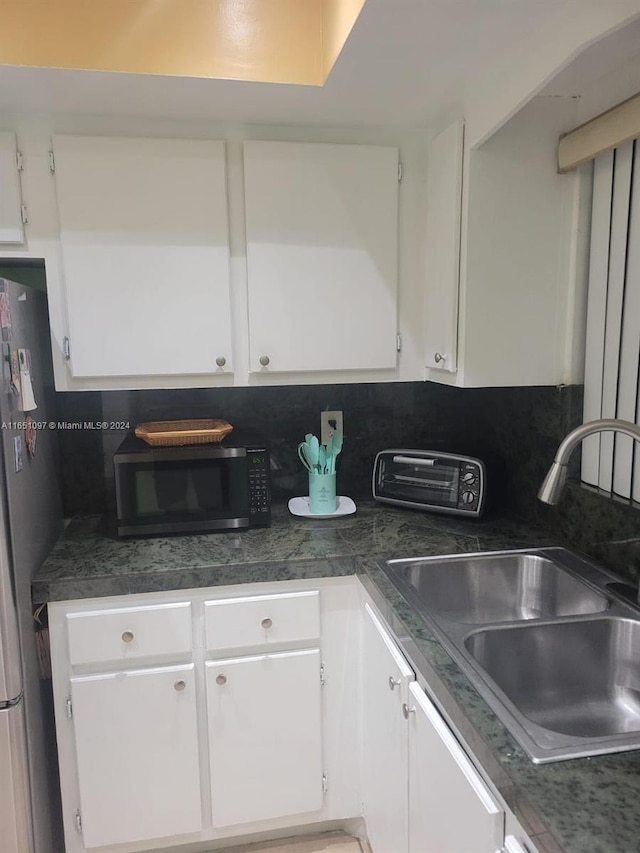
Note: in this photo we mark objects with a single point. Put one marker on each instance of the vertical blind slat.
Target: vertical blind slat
(597, 309)
(615, 293)
(629, 347)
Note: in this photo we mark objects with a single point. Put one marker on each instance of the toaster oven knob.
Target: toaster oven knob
(469, 478)
(467, 497)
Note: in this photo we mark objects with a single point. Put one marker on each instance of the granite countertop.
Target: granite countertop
(90, 561)
(588, 805)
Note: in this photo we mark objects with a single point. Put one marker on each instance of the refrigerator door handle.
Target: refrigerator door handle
(10, 664)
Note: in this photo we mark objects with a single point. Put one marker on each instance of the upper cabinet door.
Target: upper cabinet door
(322, 253)
(11, 230)
(145, 250)
(444, 200)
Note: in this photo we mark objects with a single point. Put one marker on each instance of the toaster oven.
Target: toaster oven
(430, 480)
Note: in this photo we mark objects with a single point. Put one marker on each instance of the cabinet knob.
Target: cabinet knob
(127, 637)
(406, 710)
(267, 623)
(264, 360)
(393, 683)
(221, 361)
(438, 357)
(179, 686)
(221, 679)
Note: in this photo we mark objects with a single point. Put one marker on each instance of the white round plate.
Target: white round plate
(300, 506)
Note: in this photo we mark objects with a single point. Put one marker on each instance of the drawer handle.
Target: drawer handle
(179, 686)
(267, 623)
(393, 683)
(127, 636)
(221, 679)
(406, 710)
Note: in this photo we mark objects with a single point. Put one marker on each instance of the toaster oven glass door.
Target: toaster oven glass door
(426, 481)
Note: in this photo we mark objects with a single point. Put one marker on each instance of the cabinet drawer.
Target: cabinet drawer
(127, 633)
(262, 620)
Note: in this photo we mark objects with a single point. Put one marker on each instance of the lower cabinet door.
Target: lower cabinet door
(450, 808)
(265, 736)
(137, 754)
(386, 676)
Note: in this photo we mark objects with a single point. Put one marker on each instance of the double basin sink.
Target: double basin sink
(545, 639)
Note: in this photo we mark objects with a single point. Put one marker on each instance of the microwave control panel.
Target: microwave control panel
(259, 487)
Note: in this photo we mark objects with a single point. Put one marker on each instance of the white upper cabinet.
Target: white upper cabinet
(322, 255)
(508, 314)
(444, 199)
(11, 229)
(145, 254)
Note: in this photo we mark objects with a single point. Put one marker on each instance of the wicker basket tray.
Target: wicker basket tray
(176, 433)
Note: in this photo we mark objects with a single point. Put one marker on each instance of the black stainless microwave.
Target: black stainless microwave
(429, 480)
(192, 489)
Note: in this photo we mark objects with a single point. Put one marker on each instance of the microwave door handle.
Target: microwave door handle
(414, 460)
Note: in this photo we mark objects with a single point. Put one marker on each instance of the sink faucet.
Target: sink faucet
(553, 484)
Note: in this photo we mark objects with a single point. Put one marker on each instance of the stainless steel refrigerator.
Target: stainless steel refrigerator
(30, 521)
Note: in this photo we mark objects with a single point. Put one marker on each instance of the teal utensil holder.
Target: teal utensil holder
(322, 493)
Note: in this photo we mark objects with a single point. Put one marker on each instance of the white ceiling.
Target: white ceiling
(617, 52)
(406, 62)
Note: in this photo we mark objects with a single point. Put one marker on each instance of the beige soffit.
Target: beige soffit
(615, 127)
(274, 41)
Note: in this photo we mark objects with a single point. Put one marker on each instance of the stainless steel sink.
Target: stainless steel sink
(555, 654)
(503, 587)
(575, 678)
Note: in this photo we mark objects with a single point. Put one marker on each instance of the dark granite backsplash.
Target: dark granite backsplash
(516, 429)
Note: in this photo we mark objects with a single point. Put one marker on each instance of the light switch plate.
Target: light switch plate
(327, 422)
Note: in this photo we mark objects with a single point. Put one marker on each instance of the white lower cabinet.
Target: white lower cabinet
(265, 736)
(386, 677)
(192, 717)
(450, 807)
(175, 730)
(421, 793)
(137, 754)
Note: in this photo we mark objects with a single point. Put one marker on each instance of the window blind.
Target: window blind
(612, 357)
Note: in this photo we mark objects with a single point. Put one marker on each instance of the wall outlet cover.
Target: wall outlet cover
(328, 422)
